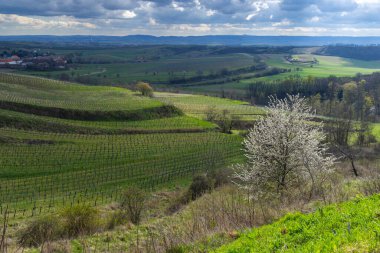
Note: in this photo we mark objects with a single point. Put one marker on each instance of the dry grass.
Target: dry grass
(219, 216)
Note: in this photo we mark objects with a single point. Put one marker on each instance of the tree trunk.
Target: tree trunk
(353, 167)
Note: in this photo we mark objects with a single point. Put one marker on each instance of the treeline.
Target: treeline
(96, 115)
(258, 92)
(368, 53)
(22, 53)
(254, 50)
(361, 93)
(219, 74)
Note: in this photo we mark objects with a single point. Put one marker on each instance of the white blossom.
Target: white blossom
(284, 148)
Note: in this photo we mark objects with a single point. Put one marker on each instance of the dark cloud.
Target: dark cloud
(219, 16)
(75, 8)
(323, 5)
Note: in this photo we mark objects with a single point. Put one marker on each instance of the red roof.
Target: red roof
(6, 60)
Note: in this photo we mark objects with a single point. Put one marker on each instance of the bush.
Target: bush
(176, 249)
(117, 218)
(40, 231)
(371, 185)
(145, 89)
(80, 219)
(219, 177)
(199, 186)
(133, 203)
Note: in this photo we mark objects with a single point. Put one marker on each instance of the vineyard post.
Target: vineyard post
(3, 246)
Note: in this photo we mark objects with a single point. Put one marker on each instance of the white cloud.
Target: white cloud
(129, 14)
(191, 28)
(177, 7)
(314, 19)
(250, 16)
(62, 22)
(152, 21)
(284, 22)
(210, 13)
(367, 1)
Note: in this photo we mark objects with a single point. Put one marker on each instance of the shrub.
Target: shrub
(133, 203)
(117, 218)
(40, 231)
(175, 249)
(211, 114)
(145, 89)
(80, 219)
(371, 185)
(200, 185)
(219, 177)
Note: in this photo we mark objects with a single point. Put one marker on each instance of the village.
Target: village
(45, 62)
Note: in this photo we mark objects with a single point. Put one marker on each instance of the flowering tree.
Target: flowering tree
(284, 149)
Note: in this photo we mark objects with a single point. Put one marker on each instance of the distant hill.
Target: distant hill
(198, 40)
(366, 53)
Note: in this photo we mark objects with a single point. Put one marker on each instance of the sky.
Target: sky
(190, 17)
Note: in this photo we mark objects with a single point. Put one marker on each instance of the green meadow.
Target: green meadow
(348, 227)
(326, 66)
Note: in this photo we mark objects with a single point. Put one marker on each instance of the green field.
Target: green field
(47, 170)
(168, 67)
(50, 124)
(348, 227)
(198, 105)
(156, 64)
(326, 66)
(61, 143)
(57, 94)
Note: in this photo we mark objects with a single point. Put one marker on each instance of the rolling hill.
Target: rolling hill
(63, 142)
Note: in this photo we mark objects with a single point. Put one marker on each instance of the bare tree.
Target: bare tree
(133, 202)
(284, 149)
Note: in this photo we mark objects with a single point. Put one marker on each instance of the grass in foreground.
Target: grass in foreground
(353, 226)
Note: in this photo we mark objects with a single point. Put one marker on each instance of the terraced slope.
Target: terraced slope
(26, 121)
(48, 105)
(44, 169)
(61, 143)
(66, 100)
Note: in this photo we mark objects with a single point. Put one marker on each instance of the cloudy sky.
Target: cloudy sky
(190, 17)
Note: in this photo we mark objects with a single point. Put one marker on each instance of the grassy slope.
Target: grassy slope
(54, 169)
(348, 227)
(49, 93)
(47, 161)
(376, 131)
(198, 105)
(50, 124)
